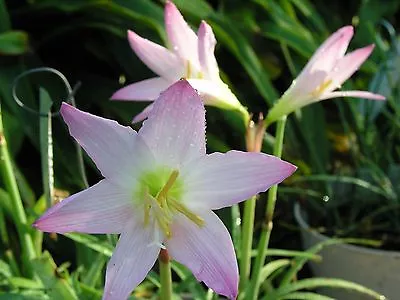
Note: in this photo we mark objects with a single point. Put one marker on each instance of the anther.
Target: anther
(170, 182)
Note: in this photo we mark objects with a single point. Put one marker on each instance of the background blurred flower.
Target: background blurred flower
(191, 57)
(325, 72)
(159, 190)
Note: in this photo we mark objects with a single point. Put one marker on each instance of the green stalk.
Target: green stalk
(165, 275)
(12, 263)
(18, 212)
(247, 240)
(267, 228)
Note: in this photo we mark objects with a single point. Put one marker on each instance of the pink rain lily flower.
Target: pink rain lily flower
(325, 72)
(190, 56)
(159, 190)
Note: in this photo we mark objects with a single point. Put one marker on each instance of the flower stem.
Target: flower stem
(247, 240)
(18, 212)
(267, 228)
(165, 275)
(254, 140)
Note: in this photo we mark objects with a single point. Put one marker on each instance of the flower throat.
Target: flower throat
(163, 200)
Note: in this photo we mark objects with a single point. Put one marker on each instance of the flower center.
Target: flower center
(161, 192)
(321, 88)
(191, 72)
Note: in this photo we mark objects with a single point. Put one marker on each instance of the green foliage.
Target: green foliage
(13, 43)
(362, 189)
(342, 148)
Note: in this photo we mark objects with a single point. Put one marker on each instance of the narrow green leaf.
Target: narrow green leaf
(236, 228)
(154, 279)
(56, 287)
(95, 271)
(344, 179)
(299, 262)
(236, 42)
(312, 283)
(290, 253)
(5, 23)
(88, 292)
(308, 10)
(13, 264)
(305, 296)
(199, 8)
(27, 194)
(92, 242)
(25, 283)
(46, 145)
(273, 266)
(3, 226)
(24, 295)
(13, 43)
(286, 29)
(188, 282)
(5, 270)
(292, 38)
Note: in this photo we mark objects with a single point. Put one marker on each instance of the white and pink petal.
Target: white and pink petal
(348, 65)
(220, 180)
(206, 47)
(145, 90)
(159, 59)
(132, 259)
(109, 144)
(355, 94)
(215, 93)
(102, 208)
(182, 38)
(143, 114)
(330, 51)
(207, 251)
(175, 129)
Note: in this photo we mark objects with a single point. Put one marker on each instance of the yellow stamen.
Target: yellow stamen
(146, 214)
(188, 69)
(322, 87)
(164, 224)
(170, 182)
(185, 211)
(163, 207)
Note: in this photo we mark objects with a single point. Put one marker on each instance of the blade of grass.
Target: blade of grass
(299, 262)
(12, 263)
(46, 146)
(18, 211)
(95, 270)
(91, 242)
(305, 296)
(57, 288)
(273, 266)
(236, 42)
(312, 283)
